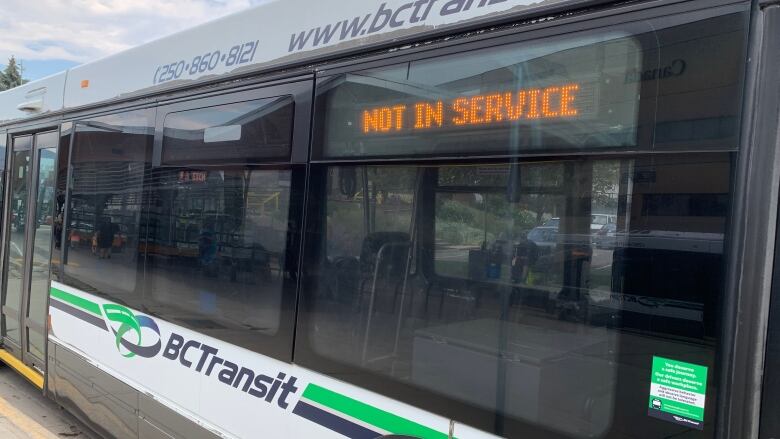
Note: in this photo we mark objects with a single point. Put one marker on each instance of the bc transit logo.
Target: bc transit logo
(128, 332)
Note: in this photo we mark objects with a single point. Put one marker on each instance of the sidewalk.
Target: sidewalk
(25, 413)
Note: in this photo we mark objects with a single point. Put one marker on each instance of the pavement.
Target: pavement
(26, 413)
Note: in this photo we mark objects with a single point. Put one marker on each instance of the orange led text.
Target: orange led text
(554, 102)
(384, 119)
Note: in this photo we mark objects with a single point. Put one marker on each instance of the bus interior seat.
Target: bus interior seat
(383, 263)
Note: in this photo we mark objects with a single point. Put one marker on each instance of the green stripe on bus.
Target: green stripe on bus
(77, 301)
(368, 414)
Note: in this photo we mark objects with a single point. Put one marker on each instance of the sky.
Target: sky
(49, 36)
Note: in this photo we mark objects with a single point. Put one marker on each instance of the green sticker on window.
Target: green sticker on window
(677, 392)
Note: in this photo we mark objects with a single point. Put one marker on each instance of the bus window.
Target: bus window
(242, 132)
(433, 272)
(472, 227)
(646, 86)
(216, 250)
(110, 158)
(516, 234)
(219, 237)
(494, 274)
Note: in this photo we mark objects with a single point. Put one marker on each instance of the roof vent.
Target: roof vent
(35, 106)
(34, 101)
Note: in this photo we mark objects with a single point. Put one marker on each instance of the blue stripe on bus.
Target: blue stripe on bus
(333, 422)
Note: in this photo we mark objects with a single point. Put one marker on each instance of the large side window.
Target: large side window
(111, 156)
(508, 281)
(222, 229)
(541, 305)
(623, 88)
(209, 238)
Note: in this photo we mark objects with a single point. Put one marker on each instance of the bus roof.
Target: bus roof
(274, 34)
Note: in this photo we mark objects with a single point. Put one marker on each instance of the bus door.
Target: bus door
(33, 164)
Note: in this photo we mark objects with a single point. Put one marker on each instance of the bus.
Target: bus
(373, 219)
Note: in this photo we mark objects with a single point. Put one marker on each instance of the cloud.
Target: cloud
(85, 30)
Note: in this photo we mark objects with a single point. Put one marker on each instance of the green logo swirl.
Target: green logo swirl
(127, 322)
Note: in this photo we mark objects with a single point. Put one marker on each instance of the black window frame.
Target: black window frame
(461, 412)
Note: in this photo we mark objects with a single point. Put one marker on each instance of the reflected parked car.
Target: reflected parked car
(599, 220)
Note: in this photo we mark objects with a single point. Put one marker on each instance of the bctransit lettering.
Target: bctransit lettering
(415, 12)
(206, 361)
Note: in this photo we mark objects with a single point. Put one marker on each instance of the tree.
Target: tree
(12, 76)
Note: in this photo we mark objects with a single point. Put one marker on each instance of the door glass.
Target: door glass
(16, 252)
(39, 273)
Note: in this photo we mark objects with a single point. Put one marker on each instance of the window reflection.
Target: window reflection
(658, 84)
(111, 156)
(238, 133)
(557, 281)
(202, 245)
(217, 239)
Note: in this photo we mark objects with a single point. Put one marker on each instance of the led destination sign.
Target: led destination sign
(549, 103)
